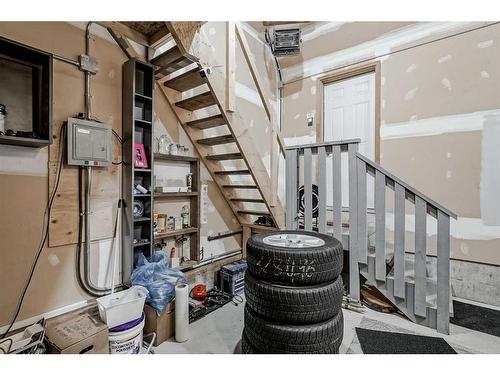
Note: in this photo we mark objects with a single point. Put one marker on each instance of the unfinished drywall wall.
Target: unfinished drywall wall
(24, 179)
(439, 116)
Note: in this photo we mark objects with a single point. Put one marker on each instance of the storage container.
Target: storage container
(122, 307)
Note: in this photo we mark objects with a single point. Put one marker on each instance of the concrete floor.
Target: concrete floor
(220, 332)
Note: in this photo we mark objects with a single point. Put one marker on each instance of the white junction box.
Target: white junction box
(89, 143)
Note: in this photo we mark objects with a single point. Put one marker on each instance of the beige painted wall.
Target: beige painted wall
(24, 178)
(434, 101)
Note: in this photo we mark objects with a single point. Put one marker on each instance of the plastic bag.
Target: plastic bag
(157, 278)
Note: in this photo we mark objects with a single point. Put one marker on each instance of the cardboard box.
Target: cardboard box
(163, 325)
(78, 332)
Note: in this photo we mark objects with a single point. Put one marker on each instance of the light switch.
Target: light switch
(310, 119)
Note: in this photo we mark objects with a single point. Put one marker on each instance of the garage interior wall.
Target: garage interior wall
(437, 93)
(24, 179)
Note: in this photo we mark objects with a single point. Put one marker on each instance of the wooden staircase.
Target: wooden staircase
(239, 173)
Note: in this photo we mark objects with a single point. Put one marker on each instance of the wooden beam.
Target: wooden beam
(159, 37)
(253, 68)
(124, 44)
(126, 31)
(230, 66)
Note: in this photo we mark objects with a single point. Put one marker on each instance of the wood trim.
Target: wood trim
(253, 68)
(124, 44)
(339, 75)
(230, 66)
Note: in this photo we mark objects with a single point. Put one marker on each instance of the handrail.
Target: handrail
(405, 185)
(341, 142)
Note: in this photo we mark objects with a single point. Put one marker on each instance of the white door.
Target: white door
(349, 112)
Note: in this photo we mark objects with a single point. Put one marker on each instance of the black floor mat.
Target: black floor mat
(382, 342)
(476, 317)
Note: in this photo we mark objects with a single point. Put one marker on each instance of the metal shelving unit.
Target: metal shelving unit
(137, 233)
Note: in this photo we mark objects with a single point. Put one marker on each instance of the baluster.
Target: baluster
(380, 271)
(337, 192)
(353, 224)
(443, 272)
(322, 189)
(362, 233)
(399, 241)
(291, 189)
(307, 189)
(420, 259)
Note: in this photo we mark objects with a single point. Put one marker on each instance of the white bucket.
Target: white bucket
(127, 338)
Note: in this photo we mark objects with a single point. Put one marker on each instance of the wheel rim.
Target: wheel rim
(293, 240)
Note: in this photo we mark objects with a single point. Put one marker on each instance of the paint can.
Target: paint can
(127, 338)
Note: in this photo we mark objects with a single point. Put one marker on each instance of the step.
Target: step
(220, 140)
(196, 102)
(207, 122)
(252, 212)
(170, 61)
(230, 186)
(220, 157)
(233, 172)
(186, 81)
(249, 200)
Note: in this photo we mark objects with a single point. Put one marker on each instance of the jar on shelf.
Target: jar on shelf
(173, 149)
(164, 144)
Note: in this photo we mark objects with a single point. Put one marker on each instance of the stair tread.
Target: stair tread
(171, 61)
(207, 122)
(239, 186)
(196, 102)
(229, 156)
(250, 200)
(233, 172)
(219, 140)
(254, 212)
(186, 81)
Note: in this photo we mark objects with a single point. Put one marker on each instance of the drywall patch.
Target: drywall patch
(443, 59)
(314, 31)
(304, 140)
(296, 116)
(53, 260)
(411, 94)
(485, 44)
(23, 161)
(484, 74)
(448, 155)
(448, 174)
(436, 125)
(464, 248)
(490, 171)
(244, 92)
(212, 31)
(411, 68)
(414, 118)
(313, 90)
(463, 228)
(446, 83)
(295, 96)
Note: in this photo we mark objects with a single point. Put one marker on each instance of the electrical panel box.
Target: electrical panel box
(89, 143)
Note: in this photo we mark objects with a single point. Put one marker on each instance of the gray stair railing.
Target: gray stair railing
(304, 155)
(300, 168)
(423, 206)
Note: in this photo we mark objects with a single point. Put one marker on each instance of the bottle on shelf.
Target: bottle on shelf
(185, 216)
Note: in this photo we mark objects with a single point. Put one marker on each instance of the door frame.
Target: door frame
(342, 74)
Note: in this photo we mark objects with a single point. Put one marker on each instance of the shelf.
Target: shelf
(178, 158)
(175, 233)
(22, 141)
(176, 195)
(141, 195)
(143, 123)
(139, 244)
(143, 97)
(142, 219)
(142, 169)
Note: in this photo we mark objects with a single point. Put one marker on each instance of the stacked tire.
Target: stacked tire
(293, 291)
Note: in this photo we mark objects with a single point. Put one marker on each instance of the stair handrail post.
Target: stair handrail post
(354, 282)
